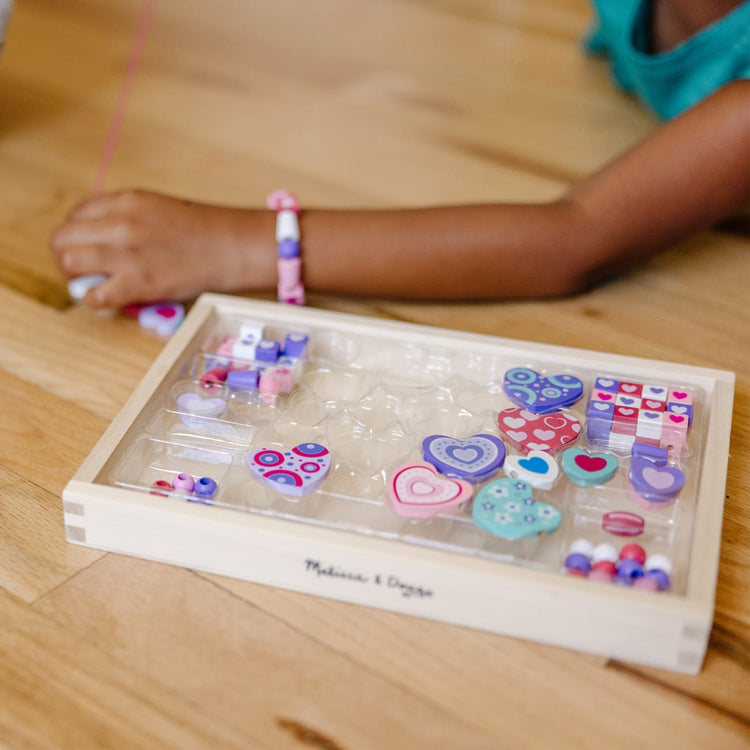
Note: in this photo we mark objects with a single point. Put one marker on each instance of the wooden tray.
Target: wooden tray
(370, 391)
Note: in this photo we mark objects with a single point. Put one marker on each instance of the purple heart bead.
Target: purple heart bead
(530, 390)
(655, 483)
(295, 472)
(474, 459)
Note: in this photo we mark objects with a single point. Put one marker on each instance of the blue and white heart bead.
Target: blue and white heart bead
(538, 468)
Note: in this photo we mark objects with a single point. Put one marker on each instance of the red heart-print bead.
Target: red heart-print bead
(528, 431)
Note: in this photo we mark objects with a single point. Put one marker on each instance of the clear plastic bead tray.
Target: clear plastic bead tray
(369, 392)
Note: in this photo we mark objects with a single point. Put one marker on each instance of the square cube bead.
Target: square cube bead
(631, 389)
(655, 392)
(651, 404)
(295, 344)
(604, 397)
(267, 350)
(244, 348)
(630, 401)
(684, 409)
(285, 378)
(674, 434)
(606, 384)
(649, 424)
(680, 396)
(252, 328)
(625, 415)
(599, 422)
(621, 441)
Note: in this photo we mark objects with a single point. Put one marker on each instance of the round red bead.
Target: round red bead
(633, 552)
(606, 566)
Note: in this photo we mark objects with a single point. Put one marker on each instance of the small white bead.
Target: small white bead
(604, 551)
(287, 226)
(658, 562)
(583, 547)
(77, 288)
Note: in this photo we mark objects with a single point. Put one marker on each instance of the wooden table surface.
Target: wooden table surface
(349, 103)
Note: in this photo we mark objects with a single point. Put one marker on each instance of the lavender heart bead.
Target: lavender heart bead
(475, 459)
(655, 483)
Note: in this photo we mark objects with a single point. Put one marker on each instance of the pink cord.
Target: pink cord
(136, 53)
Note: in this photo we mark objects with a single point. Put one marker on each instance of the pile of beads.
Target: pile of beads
(630, 567)
(204, 488)
(251, 362)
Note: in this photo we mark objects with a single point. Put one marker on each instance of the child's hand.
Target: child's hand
(153, 247)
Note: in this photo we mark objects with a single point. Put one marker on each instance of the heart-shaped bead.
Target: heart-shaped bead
(537, 468)
(296, 472)
(165, 318)
(542, 395)
(192, 403)
(657, 484)
(588, 469)
(417, 490)
(475, 459)
(528, 431)
(505, 508)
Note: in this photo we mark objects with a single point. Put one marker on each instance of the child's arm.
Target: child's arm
(691, 173)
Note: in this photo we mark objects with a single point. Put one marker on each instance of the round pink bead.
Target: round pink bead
(601, 575)
(633, 552)
(647, 584)
(606, 566)
(183, 482)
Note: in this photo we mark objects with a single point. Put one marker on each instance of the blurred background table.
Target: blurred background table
(351, 103)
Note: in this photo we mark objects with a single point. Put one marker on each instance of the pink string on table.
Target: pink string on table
(134, 61)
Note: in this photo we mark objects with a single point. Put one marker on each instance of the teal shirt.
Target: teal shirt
(673, 81)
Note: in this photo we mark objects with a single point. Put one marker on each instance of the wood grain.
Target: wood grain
(351, 103)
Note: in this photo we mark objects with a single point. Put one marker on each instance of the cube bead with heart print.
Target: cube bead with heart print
(619, 412)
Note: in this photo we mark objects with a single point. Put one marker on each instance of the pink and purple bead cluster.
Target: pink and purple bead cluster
(203, 488)
(251, 362)
(628, 567)
(621, 413)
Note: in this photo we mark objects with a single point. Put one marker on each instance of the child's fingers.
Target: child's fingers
(104, 205)
(94, 208)
(82, 260)
(108, 294)
(119, 290)
(103, 231)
